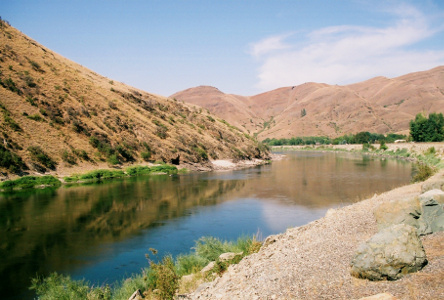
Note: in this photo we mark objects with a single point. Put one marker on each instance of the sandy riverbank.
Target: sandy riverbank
(313, 261)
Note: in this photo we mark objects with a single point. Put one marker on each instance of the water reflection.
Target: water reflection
(101, 231)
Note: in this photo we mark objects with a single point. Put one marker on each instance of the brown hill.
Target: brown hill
(57, 115)
(380, 105)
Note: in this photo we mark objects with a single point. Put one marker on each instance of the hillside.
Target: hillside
(57, 116)
(379, 105)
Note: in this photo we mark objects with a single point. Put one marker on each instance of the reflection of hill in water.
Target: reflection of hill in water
(325, 179)
(42, 230)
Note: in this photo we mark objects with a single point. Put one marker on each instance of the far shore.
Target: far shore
(414, 148)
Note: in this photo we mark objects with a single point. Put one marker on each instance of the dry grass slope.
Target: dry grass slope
(77, 119)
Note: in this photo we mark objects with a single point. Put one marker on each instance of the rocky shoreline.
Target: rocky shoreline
(314, 261)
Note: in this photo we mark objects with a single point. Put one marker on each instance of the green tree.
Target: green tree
(362, 137)
(429, 129)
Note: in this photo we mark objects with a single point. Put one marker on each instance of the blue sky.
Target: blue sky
(241, 47)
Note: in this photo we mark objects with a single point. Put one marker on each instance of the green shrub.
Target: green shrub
(383, 146)
(430, 151)
(11, 123)
(422, 172)
(124, 289)
(35, 117)
(201, 153)
(166, 278)
(36, 66)
(169, 169)
(138, 170)
(113, 160)
(37, 154)
(81, 154)
(145, 155)
(161, 131)
(69, 158)
(125, 153)
(11, 161)
(430, 129)
(27, 182)
(102, 174)
(62, 287)
(10, 85)
(190, 263)
(210, 247)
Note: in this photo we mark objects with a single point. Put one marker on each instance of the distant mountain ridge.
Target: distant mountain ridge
(380, 105)
(57, 116)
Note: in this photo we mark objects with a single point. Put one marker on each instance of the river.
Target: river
(101, 232)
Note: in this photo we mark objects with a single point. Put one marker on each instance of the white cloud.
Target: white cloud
(347, 54)
(268, 45)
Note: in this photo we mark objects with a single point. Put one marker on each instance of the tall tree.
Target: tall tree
(429, 129)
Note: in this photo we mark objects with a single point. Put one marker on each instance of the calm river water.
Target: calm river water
(102, 232)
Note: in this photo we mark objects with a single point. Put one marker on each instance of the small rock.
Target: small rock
(389, 254)
(229, 256)
(137, 295)
(270, 240)
(382, 296)
(208, 268)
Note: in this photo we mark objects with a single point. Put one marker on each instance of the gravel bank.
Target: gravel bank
(313, 261)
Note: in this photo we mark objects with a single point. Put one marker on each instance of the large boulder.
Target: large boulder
(389, 254)
(432, 218)
(406, 211)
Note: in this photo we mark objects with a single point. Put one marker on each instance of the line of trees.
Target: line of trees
(359, 138)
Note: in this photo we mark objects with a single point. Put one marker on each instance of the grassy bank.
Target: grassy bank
(28, 182)
(160, 280)
(98, 175)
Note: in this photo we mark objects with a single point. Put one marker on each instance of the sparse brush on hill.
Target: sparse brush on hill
(77, 117)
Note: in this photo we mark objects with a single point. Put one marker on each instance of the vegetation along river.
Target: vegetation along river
(101, 232)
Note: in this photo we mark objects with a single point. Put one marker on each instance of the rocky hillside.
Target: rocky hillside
(57, 116)
(379, 105)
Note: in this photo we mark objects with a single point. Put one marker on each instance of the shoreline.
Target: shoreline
(313, 261)
(412, 148)
(67, 178)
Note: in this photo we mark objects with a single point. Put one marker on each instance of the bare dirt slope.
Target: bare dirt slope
(313, 261)
(380, 105)
(83, 120)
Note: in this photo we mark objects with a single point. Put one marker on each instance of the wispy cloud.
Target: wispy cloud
(269, 44)
(346, 54)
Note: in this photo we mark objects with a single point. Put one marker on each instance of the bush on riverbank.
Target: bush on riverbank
(162, 276)
(98, 175)
(27, 182)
